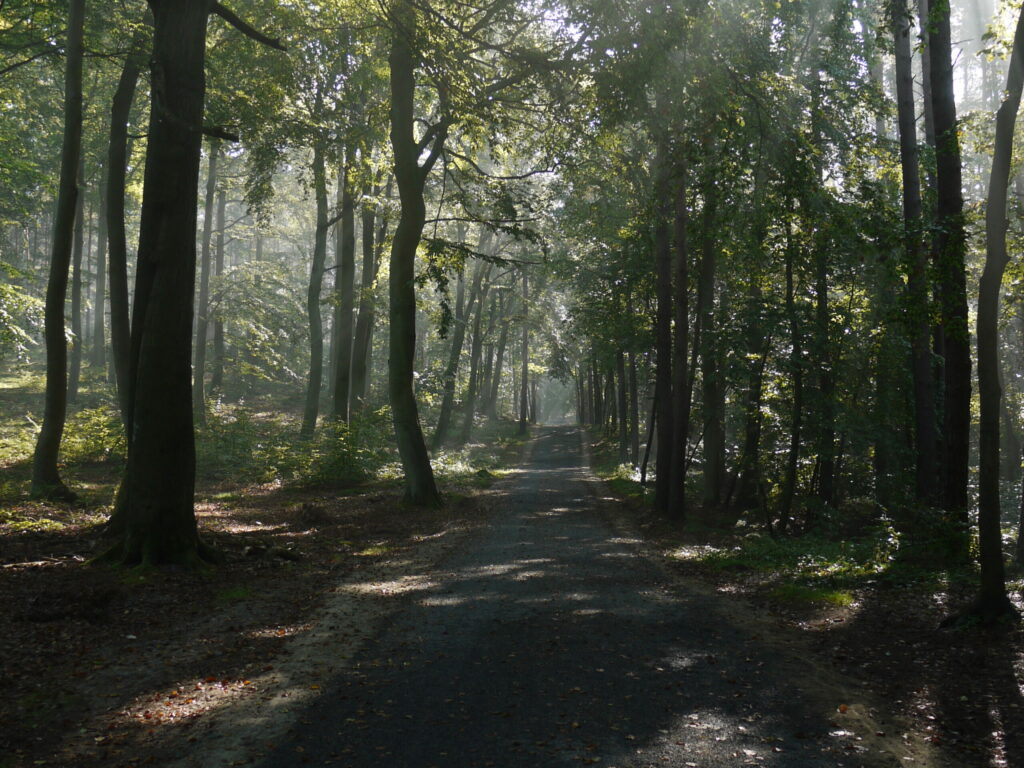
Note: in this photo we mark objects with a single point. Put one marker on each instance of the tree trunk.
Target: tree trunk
(367, 301)
(345, 282)
(952, 277)
(797, 408)
(620, 370)
(217, 374)
(712, 389)
(117, 160)
(410, 176)
(469, 407)
(634, 413)
(46, 480)
(826, 437)
(917, 266)
(98, 353)
(203, 310)
(78, 339)
(316, 281)
(663, 493)
(523, 413)
(160, 523)
(992, 601)
(491, 411)
(681, 341)
(451, 371)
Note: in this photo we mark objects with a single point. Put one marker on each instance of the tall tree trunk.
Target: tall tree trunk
(98, 353)
(663, 492)
(992, 601)
(634, 412)
(345, 282)
(367, 302)
(620, 371)
(117, 161)
(78, 339)
(523, 414)
(952, 276)
(797, 408)
(316, 282)
(451, 370)
(217, 364)
(410, 176)
(711, 385)
(748, 488)
(491, 411)
(826, 437)
(160, 523)
(681, 340)
(203, 310)
(925, 434)
(46, 479)
(469, 407)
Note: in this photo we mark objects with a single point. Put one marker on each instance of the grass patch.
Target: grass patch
(802, 594)
(375, 551)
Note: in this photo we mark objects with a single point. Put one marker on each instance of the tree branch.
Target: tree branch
(219, 132)
(246, 29)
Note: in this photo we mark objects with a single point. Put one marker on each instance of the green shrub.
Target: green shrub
(94, 434)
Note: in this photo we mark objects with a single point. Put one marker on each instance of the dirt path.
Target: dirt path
(550, 637)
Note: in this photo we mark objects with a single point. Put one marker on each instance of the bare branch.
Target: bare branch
(246, 29)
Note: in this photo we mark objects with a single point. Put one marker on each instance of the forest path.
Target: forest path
(552, 638)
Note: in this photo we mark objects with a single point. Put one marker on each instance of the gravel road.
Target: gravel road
(553, 638)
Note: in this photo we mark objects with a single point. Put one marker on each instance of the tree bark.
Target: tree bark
(117, 160)
(711, 386)
(367, 301)
(203, 313)
(681, 341)
(77, 336)
(992, 600)
(410, 176)
(451, 370)
(160, 523)
(491, 410)
(663, 492)
(525, 378)
(217, 374)
(98, 352)
(316, 281)
(46, 479)
(952, 276)
(469, 407)
(925, 435)
(797, 407)
(620, 371)
(634, 412)
(345, 284)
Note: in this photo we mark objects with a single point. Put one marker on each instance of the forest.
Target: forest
(302, 294)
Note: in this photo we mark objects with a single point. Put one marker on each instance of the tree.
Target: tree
(992, 601)
(46, 479)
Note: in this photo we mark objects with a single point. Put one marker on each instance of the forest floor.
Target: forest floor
(114, 668)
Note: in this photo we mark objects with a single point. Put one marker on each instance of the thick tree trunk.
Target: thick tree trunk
(160, 523)
(203, 309)
(46, 479)
(117, 160)
(410, 176)
(77, 327)
(925, 434)
(217, 364)
(316, 282)
(952, 276)
(345, 280)
(992, 601)
(680, 347)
